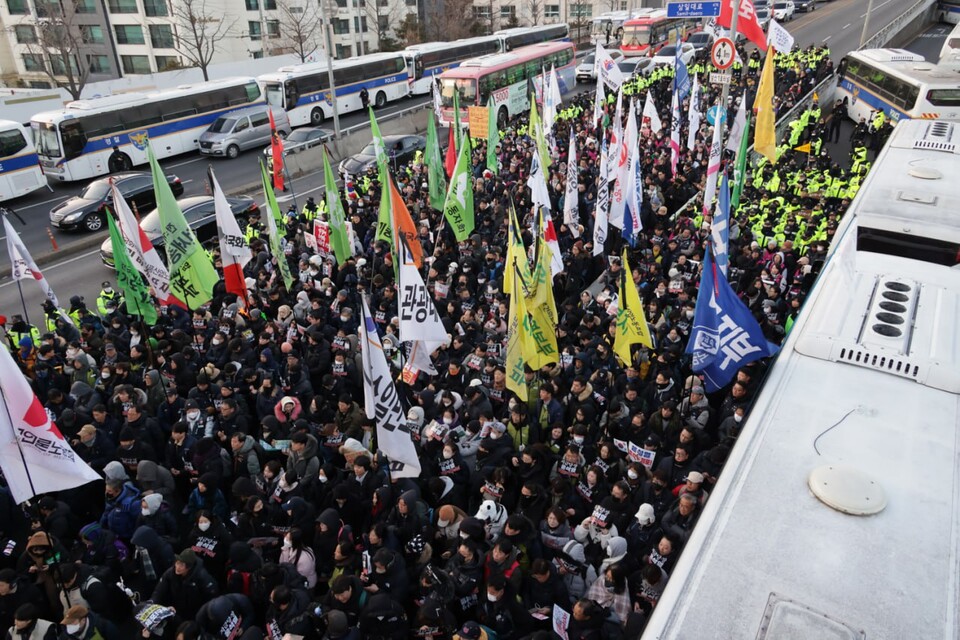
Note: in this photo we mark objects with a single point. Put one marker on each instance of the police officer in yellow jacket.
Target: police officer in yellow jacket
(107, 296)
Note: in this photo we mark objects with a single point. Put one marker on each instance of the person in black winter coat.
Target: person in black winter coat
(154, 556)
(185, 586)
(226, 616)
(14, 592)
(543, 588)
(500, 610)
(347, 595)
(389, 575)
(289, 612)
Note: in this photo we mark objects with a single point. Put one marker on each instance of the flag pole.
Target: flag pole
(26, 316)
(23, 458)
(725, 90)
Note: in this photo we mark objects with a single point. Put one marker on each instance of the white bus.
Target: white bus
(20, 171)
(949, 11)
(75, 143)
(608, 23)
(304, 89)
(900, 83)
(511, 39)
(951, 45)
(424, 61)
(509, 77)
(19, 105)
(837, 514)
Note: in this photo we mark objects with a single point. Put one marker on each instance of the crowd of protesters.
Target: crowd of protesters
(244, 494)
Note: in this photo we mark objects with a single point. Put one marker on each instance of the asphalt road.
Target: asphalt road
(838, 22)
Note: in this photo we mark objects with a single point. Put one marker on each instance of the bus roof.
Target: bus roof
(438, 46)
(889, 55)
(646, 16)
(851, 405)
(474, 66)
(314, 67)
(910, 66)
(515, 31)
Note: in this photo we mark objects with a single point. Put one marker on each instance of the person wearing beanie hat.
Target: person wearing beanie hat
(338, 627)
(27, 625)
(185, 586)
(207, 496)
(449, 518)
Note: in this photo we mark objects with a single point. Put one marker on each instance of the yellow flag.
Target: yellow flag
(631, 322)
(516, 254)
(765, 133)
(536, 132)
(516, 381)
(805, 148)
(540, 325)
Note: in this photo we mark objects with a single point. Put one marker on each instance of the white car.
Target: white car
(763, 17)
(587, 69)
(783, 10)
(668, 54)
(630, 67)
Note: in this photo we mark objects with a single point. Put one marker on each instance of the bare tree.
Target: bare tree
(535, 11)
(300, 27)
(57, 43)
(384, 14)
(454, 19)
(199, 28)
(411, 30)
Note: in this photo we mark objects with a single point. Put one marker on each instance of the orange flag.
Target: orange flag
(403, 226)
(276, 154)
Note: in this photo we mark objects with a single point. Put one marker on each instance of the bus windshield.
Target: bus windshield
(466, 86)
(635, 36)
(274, 93)
(46, 140)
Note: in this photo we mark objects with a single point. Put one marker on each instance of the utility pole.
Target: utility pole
(330, 79)
(725, 91)
(361, 46)
(866, 22)
(263, 29)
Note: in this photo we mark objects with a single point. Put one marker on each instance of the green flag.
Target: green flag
(536, 132)
(274, 235)
(192, 276)
(457, 132)
(385, 219)
(740, 168)
(381, 151)
(135, 292)
(436, 180)
(339, 240)
(493, 136)
(458, 207)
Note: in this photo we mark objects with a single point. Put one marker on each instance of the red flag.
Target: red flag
(276, 152)
(747, 22)
(450, 162)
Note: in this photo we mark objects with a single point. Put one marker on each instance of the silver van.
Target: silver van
(242, 129)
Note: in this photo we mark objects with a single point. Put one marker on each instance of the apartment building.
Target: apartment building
(93, 40)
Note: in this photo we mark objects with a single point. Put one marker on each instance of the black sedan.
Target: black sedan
(86, 212)
(302, 139)
(201, 216)
(400, 149)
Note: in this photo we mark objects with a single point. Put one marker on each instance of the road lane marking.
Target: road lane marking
(40, 204)
(847, 25)
(57, 265)
(180, 164)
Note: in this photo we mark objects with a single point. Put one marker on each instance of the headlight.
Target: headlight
(76, 215)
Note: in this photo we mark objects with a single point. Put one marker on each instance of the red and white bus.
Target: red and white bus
(509, 77)
(646, 34)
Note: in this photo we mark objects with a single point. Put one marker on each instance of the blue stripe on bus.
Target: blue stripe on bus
(429, 72)
(158, 130)
(862, 93)
(16, 163)
(321, 96)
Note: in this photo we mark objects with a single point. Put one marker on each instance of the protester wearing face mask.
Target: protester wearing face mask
(79, 623)
(502, 612)
(94, 447)
(210, 540)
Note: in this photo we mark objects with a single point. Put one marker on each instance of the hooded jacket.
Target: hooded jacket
(120, 513)
(305, 464)
(152, 477)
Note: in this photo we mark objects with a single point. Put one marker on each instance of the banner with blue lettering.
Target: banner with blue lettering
(681, 77)
(725, 335)
(720, 228)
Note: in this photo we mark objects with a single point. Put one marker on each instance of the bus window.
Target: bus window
(12, 142)
(74, 139)
(944, 97)
(291, 94)
(466, 86)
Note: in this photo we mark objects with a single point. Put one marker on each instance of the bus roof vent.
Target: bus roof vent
(890, 319)
(787, 618)
(937, 136)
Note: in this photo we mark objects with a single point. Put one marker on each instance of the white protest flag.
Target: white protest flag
(618, 200)
(382, 403)
(674, 133)
(737, 128)
(779, 37)
(553, 243)
(141, 251)
(437, 104)
(24, 268)
(419, 320)
(693, 113)
(616, 136)
(598, 101)
(713, 168)
(607, 70)
(235, 253)
(650, 116)
(34, 455)
(571, 197)
(537, 182)
(603, 205)
(551, 100)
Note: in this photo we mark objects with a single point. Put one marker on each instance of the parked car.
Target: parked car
(87, 211)
(200, 214)
(302, 139)
(805, 5)
(668, 54)
(763, 17)
(587, 70)
(784, 10)
(700, 40)
(399, 148)
(242, 129)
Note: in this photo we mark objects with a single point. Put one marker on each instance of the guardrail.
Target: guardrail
(886, 34)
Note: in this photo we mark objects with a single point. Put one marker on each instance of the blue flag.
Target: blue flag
(720, 228)
(681, 78)
(725, 335)
(633, 197)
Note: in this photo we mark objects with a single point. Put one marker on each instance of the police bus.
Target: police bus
(898, 82)
(424, 61)
(20, 171)
(838, 512)
(509, 77)
(304, 89)
(949, 11)
(511, 39)
(76, 142)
